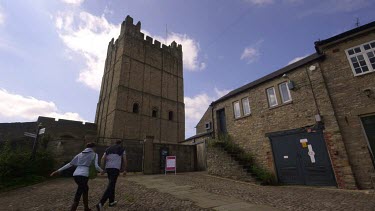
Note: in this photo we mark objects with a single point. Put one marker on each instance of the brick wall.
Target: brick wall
(350, 102)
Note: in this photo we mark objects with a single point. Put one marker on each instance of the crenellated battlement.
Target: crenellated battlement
(129, 29)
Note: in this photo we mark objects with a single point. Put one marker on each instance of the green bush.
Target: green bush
(16, 165)
(226, 142)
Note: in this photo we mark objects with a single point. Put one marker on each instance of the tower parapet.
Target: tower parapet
(129, 29)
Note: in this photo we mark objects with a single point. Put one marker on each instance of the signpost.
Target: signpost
(170, 164)
(39, 131)
(32, 135)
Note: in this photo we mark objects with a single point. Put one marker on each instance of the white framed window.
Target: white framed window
(362, 58)
(285, 92)
(272, 99)
(236, 109)
(246, 106)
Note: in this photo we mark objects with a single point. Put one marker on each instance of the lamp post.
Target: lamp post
(36, 141)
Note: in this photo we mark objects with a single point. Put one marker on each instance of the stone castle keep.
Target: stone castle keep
(142, 89)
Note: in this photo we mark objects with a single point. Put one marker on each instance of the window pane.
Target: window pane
(353, 59)
(246, 106)
(351, 52)
(357, 50)
(367, 46)
(284, 91)
(370, 54)
(355, 65)
(358, 70)
(237, 112)
(360, 57)
(271, 97)
(373, 44)
(365, 69)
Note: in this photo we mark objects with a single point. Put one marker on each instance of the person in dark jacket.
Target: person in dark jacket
(81, 175)
(114, 162)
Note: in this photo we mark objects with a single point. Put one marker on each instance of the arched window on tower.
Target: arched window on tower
(154, 112)
(170, 115)
(135, 108)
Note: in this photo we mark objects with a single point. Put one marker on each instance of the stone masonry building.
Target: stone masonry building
(142, 89)
(311, 122)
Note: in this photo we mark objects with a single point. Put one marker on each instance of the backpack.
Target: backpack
(92, 169)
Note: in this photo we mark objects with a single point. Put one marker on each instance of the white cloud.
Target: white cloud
(190, 48)
(260, 2)
(20, 108)
(252, 53)
(196, 106)
(73, 2)
(296, 59)
(88, 35)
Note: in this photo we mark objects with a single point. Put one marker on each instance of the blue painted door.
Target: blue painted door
(301, 158)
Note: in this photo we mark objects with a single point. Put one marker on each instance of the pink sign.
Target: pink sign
(170, 164)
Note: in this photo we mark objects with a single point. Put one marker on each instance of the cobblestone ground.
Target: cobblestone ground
(282, 197)
(58, 195)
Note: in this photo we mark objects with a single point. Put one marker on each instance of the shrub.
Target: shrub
(16, 165)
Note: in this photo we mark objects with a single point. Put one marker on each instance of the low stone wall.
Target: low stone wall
(219, 163)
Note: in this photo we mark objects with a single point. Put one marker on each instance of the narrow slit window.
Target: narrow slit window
(170, 115)
(135, 108)
(154, 112)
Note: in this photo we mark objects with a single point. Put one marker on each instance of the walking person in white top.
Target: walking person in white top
(114, 160)
(81, 175)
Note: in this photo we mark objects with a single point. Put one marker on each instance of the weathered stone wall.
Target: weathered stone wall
(67, 138)
(15, 131)
(350, 103)
(249, 131)
(219, 163)
(186, 157)
(141, 71)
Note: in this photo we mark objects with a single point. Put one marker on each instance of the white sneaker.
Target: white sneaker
(113, 204)
(99, 207)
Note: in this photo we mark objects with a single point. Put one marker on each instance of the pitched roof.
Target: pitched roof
(345, 34)
(270, 76)
(196, 136)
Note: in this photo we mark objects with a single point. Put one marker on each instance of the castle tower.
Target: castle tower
(142, 89)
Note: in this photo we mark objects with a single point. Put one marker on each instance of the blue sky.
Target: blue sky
(52, 52)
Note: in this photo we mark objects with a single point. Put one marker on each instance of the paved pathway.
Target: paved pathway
(189, 191)
(200, 197)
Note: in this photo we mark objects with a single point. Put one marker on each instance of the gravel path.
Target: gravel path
(282, 197)
(58, 195)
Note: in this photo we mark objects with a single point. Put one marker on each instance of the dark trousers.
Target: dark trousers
(82, 187)
(110, 191)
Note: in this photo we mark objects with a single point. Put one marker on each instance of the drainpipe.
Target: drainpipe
(312, 90)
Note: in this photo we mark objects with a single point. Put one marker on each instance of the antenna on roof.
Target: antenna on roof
(357, 24)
